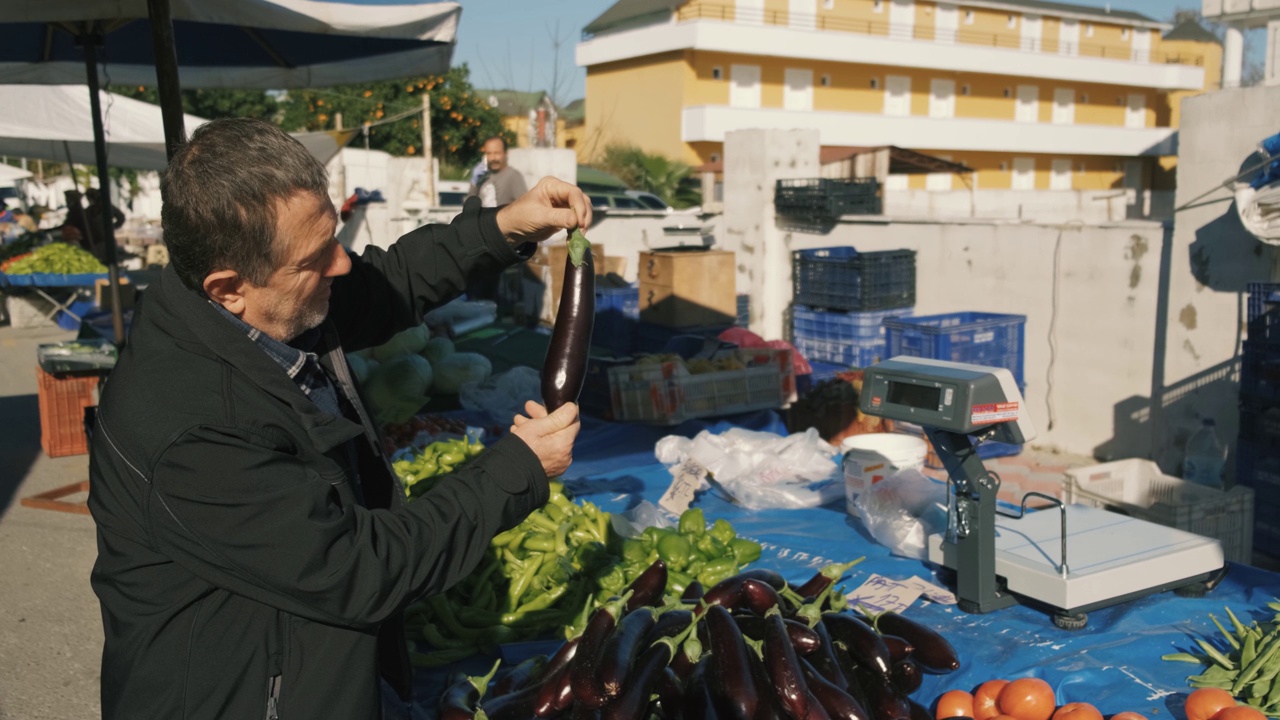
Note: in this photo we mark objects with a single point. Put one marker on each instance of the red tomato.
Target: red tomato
(955, 703)
(984, 699)
(1204, 703)
(1027, 699)
(1126, 715)
(1239, 712)
(1077, 711)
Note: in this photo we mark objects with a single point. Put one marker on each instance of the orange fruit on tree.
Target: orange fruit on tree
(1204, 703)
(1027, 699)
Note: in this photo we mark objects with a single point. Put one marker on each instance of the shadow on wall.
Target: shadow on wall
(20, 443)
(1135, 425)
(1225, 257)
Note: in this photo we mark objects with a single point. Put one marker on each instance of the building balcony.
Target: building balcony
(711, 124)
(715, 29)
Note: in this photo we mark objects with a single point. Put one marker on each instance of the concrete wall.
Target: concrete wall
(1090, 207)
(1210, 260)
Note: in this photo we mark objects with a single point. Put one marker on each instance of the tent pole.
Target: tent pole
(91, 43)
(167, 83)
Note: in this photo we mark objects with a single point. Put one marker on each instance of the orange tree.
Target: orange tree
(460, 118)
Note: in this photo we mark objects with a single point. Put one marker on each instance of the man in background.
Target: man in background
(498, 186)
(502, 183)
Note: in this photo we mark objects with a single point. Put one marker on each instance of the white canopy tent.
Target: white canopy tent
(52, 122)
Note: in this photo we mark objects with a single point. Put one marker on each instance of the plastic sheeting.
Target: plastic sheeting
(1113, 663)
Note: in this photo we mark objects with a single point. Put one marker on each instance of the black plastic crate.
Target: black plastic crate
(744, 311)
(1260, 425)
(827, 197)
(1264, 313)
(1260, 373)
(841, 278)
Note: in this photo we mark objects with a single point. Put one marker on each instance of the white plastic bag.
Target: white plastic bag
(761, 469)
(503, 395)
(904, 509)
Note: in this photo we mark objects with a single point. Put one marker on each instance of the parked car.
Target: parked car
(649, 200)
(614, 201)
(452, 192)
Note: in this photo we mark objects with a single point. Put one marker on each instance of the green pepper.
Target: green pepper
(518, 586)
(612, 580)
(723, 531)
(674, 550)
(452, 458)
(634, 551)
(542, 602)
(744, 550)
(717, 570)
(692, 522)
(678, 581)
(539, 519)
(539, 542)
(555, 512)
(650, 537)
(711, 547)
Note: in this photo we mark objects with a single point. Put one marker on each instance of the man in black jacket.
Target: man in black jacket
(255, 551)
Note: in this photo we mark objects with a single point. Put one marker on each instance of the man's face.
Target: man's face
(495, 155)
(296, 295)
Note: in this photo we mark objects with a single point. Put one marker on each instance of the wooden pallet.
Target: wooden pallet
(52, 499)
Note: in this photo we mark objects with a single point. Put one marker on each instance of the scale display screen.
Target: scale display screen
(911, 395)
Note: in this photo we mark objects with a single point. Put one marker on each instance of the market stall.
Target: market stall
(1114, 663)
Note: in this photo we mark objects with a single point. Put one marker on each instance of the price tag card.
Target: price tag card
(880, 593)
(687, 478)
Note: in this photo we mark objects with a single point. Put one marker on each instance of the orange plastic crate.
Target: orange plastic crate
(63, 399)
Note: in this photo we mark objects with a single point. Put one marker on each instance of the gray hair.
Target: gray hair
(220, 192)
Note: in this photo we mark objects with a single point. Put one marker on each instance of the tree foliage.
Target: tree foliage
(461, 119)
(669, 179)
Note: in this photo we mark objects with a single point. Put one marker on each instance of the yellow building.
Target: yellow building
(1029, 94)
(535, 120)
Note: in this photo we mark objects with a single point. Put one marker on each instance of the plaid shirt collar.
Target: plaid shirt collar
(302, 367)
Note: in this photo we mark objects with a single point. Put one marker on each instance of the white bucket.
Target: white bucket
(872, 457)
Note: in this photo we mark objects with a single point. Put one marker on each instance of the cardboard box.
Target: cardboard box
(688, 287)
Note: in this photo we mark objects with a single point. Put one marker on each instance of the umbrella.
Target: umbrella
(49, 122)
(228, 43)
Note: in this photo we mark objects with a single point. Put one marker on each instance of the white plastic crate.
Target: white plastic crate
(29, 311)
(666, 393)
(1138, 488)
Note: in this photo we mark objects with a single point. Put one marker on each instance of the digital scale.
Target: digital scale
(1072, 561)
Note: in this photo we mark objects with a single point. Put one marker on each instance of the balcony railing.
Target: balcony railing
(883, 28)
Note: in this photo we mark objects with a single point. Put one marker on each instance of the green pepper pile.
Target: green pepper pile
(439, 458)
(1247, 666)
(56, 258)
(546, 576)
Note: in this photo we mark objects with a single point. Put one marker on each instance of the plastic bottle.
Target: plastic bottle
(1204, 457)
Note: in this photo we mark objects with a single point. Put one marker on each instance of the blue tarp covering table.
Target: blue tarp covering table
(1113, 663)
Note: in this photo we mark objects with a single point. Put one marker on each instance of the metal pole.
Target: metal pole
(175, 133)
(91, 43)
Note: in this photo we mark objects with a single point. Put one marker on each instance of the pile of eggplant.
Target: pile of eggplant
(749, 648)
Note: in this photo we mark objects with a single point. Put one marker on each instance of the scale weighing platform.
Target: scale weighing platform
(1072, 560)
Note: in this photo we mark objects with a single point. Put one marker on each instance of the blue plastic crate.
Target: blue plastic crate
(991, 449)
(652, 338)
(849, 353)
(1264, 313)
(977, 338)
(841, 278)
(818, 324)
(617, 312)
(625, 300)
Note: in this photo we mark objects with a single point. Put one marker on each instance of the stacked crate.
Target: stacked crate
(842, 298)
(1257, 460)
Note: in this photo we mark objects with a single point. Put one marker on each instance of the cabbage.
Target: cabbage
(438, 348)
(407, 342)
(458, 368)
(359, 367)
(398, 388)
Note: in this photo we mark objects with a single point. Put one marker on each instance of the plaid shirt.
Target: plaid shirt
(301, 366)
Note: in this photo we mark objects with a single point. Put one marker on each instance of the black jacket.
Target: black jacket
(236, 560)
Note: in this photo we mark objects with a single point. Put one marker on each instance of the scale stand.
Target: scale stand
(999, 558)
(999, 564)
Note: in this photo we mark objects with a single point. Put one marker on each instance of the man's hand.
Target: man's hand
(549, 436)
(552, 205)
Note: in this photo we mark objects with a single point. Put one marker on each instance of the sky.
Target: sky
(511, 44)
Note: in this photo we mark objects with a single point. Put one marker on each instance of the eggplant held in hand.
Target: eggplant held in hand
(566, 365)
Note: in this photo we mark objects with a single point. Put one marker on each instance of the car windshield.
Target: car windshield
(652, 202)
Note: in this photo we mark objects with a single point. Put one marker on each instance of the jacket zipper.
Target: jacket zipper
(273, 698)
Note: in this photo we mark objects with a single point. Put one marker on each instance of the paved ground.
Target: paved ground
(50, 629)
